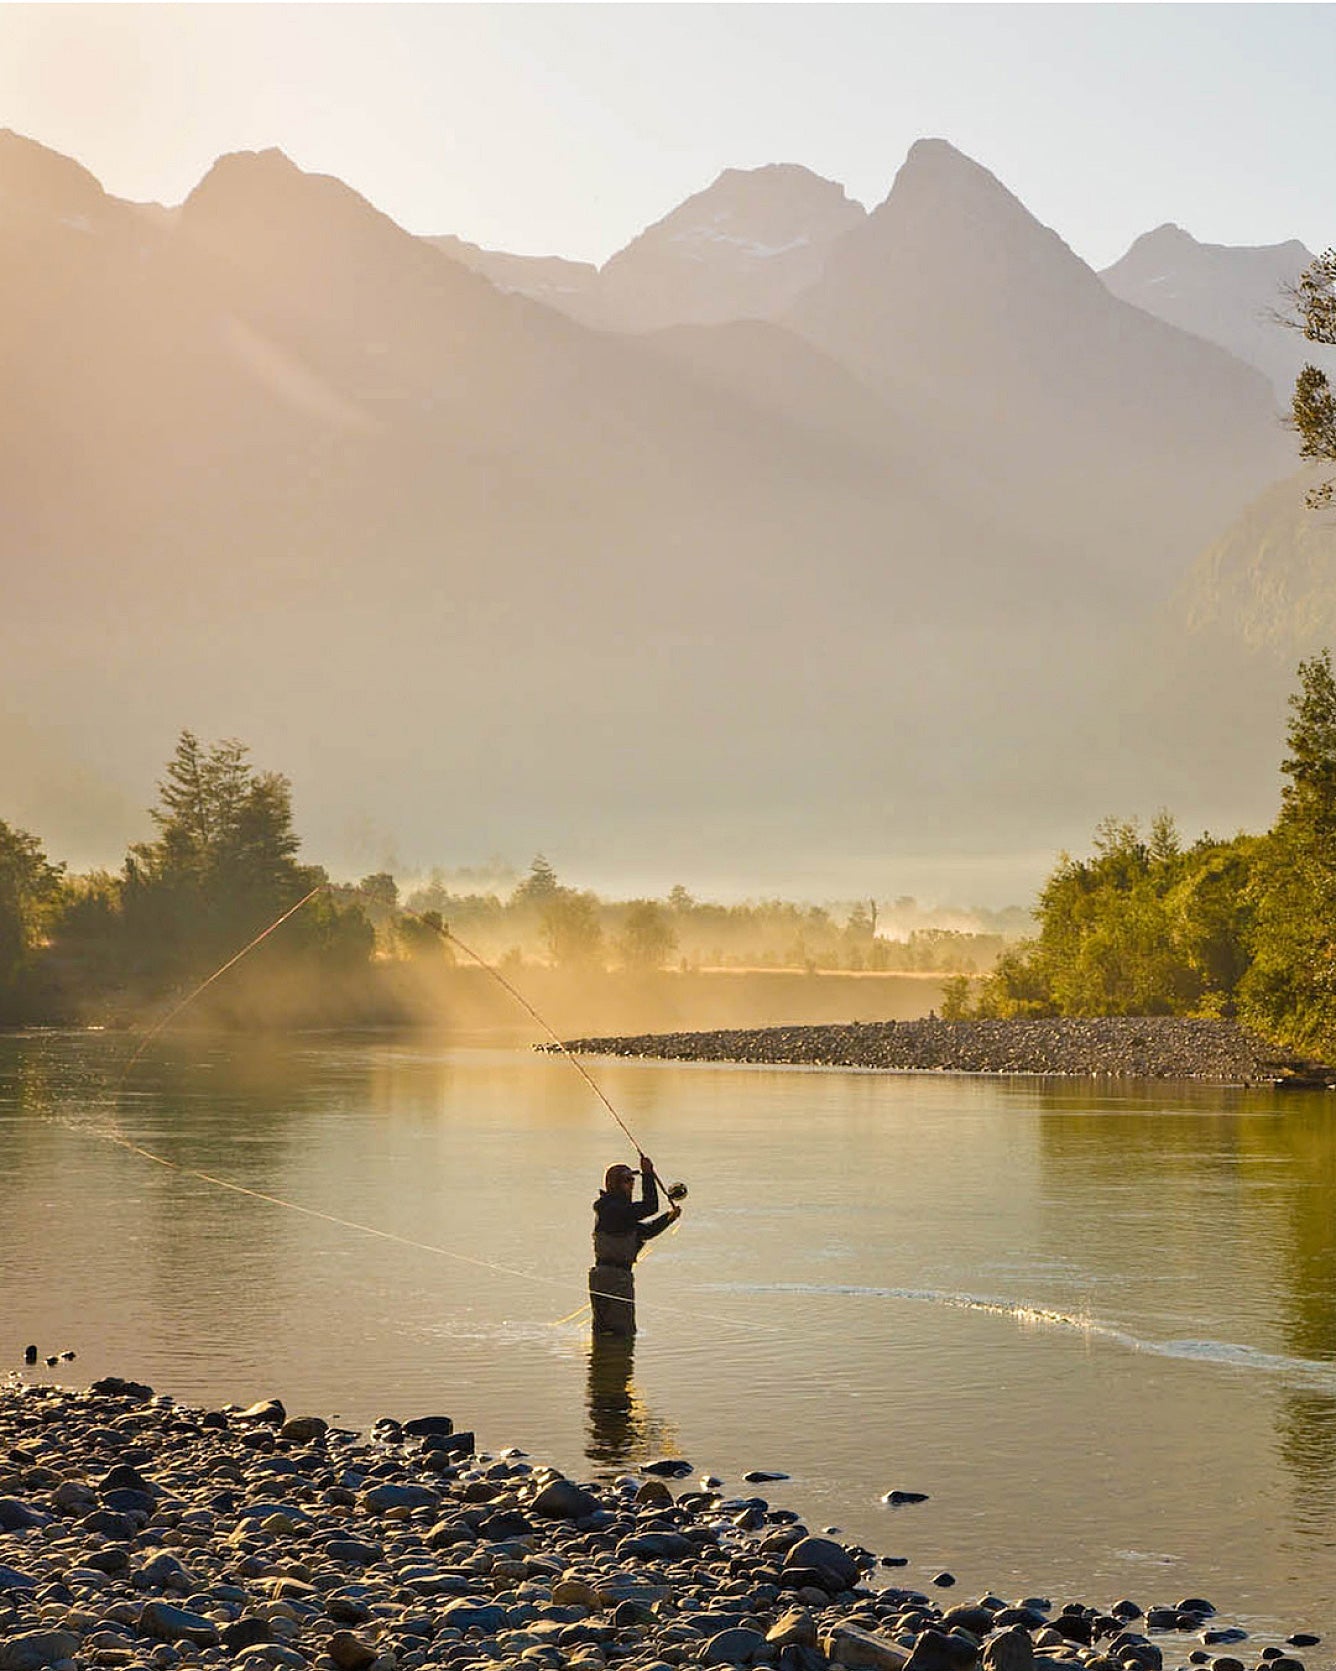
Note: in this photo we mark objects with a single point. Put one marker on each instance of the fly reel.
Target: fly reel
(677, 1192)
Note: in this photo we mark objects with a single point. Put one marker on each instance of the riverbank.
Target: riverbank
(139, 1535)
(1139, 1047)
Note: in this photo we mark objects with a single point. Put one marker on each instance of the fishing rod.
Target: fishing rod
(674, 1192)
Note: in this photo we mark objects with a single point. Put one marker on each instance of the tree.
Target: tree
(224, 863)
(539, 886)
(572, 930)
(648, 938)
(1289, 990)
(1314, 403)
(29, 890)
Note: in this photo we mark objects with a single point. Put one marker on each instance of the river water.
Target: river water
(1095, 1323)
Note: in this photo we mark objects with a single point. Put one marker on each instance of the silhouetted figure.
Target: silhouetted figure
(622, 1226)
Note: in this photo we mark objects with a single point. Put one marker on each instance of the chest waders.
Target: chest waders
(612, 1286)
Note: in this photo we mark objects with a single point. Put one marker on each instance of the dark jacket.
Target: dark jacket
(622, 1227)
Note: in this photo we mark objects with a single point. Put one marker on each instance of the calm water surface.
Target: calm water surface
(1097, 1325)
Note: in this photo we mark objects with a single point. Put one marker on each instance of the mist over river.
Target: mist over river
(1096, 1322)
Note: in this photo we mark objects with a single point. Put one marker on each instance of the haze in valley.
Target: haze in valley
(796, 543)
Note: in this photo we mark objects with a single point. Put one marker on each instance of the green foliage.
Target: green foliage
(29, 890)
(1289, 990)
(956, 998)
(1142, 927)
(223, 867)
(1314, 404)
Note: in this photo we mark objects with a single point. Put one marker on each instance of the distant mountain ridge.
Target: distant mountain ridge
(741, 249)
(1233, 296)
(489, 577)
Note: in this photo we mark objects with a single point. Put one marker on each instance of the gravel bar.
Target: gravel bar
(1139, 1047)
(137, 1534)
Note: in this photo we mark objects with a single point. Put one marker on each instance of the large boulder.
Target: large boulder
(1010, 1650)
(176, 1624)
(35, 1649)
(738, 1646)
(564, 1500)
(835, 1567)
(863, 1650)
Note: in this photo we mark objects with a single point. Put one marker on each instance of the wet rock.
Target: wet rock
(1302, 1639)
(422, 1426)
(668, 1467)
(763, 1476)
(114, 1387)
(944, 1580)
(654, 1494)
(899, 1499)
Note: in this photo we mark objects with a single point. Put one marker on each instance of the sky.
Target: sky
(563, 129)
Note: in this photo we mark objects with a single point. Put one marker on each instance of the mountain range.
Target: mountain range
(794, 540)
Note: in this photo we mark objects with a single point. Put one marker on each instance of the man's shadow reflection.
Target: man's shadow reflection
(622, 1429)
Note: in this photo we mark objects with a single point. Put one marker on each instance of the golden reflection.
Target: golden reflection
(622, 1427)
(1251, 1171)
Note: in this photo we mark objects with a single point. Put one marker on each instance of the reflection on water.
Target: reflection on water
(1088, 1321)
(1255, 1171)
(622, 1429)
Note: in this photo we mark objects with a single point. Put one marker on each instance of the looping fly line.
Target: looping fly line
(121, 1141)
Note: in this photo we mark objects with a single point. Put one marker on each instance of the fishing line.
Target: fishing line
(131, 1147)
(450, 936)
(190, 997)
(121, 1141)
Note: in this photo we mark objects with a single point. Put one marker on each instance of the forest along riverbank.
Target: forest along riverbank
(1140, 1047)
(138, 1533)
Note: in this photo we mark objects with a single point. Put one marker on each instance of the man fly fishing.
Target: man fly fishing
(622, 1226)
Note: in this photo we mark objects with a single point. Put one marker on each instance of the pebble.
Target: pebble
(165, 1538)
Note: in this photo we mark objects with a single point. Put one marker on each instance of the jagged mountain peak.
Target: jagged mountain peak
(954, 209)
(742, 248)
(37, 177)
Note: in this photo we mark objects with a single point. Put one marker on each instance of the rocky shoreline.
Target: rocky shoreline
(137, 1534)
(1140, 1047)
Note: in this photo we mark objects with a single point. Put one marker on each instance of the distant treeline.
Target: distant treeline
(1243, 928)
(574, 928)
(108, 946)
